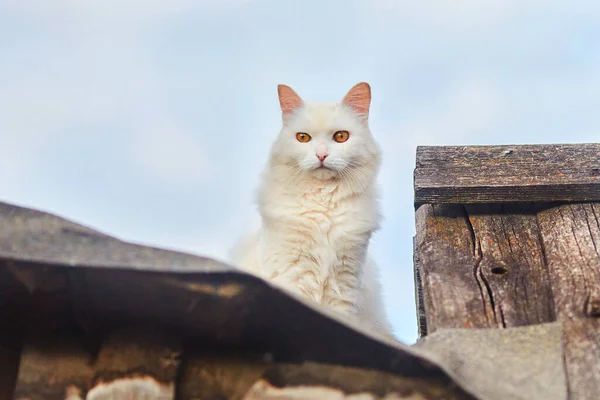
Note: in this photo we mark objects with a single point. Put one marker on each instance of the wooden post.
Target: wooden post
(494, 249)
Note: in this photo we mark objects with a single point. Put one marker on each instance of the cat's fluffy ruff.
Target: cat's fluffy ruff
(317, 222)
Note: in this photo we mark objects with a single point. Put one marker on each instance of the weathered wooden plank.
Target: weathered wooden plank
(507, 174)
(451, 293)
(419, 300)
(220, 375)
(137, 362)
(510, 263)
(323, 381)
(571, 237)
(56, 361)
(482, 266)
(54, 368)
(257, 376)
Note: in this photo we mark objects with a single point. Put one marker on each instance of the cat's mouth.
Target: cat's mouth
(324, 172)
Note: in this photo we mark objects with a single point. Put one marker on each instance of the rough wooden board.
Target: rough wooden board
(507, 174)
(55, 359)
(419, 300)
(246, 377)
(208, 376)
(137, 362)
(481, 267)
(578, 155)
(510, 263)
(52, 367)
(354, 381)
(571, 235)
(445, 247)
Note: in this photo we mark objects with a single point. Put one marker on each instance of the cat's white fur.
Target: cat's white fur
(317, 222)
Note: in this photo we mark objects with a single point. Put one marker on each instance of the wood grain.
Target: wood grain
(452, 295)
(507, 174)
(354, 383)
(54, 368)
(419, 300)
(482, 267)
(56, 361)
(510, 263)
(206, 376)
(137, 362)
(248, 377)
(571, 235)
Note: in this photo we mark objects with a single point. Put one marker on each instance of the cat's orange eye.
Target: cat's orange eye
(303, 137)
(341, 136)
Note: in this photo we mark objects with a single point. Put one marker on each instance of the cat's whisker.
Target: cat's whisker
(294, 175)
(357, 178)
(349, 177)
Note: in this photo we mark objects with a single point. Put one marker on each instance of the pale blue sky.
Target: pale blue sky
(151, 120)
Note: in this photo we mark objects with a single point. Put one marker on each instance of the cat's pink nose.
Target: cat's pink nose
(322, 156)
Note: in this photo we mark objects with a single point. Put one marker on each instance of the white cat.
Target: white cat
(319, 206)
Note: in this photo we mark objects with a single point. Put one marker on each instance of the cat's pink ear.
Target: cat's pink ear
(359, 98)
(288, 99)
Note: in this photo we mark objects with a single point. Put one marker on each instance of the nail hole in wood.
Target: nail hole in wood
(499, 270)
(593, 308)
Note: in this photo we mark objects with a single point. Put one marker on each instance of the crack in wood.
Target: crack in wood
(587, 221)
(482, 266)
(477, 272)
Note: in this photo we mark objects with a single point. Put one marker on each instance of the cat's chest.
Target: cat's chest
(323, 207)
(322, 216)
(329, 219)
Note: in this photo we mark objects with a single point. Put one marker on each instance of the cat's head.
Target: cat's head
(327, 140)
